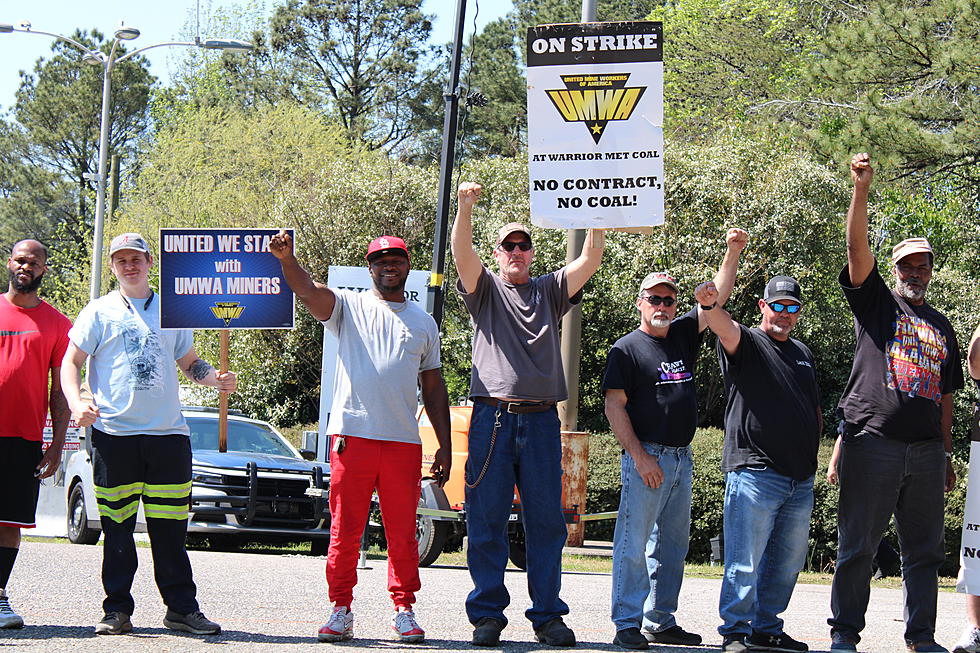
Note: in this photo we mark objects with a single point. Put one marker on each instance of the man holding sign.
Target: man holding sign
(140, 441)
(388, 346)
(514, 433)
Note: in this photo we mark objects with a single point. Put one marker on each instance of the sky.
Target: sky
(158, 21)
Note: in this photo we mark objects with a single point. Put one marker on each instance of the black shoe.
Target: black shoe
(114, 623)
(631, 638)
(555, 633)
(781, 642)
(673, 635)
(487, 632)
(195, 623)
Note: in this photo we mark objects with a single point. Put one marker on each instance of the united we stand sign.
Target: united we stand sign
(595, 124)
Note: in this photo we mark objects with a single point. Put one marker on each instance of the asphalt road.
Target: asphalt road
(276, 602)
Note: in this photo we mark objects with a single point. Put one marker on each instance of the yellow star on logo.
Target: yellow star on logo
(597, 128)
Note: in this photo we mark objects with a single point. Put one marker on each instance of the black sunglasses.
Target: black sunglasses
(789, 308)
(509, 245)
(657, 300)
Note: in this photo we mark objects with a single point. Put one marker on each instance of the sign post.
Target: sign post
(222, 279)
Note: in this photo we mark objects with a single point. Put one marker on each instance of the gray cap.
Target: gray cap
(128, 241)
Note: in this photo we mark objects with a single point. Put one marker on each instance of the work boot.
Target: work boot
(487, 632)
(555, 633)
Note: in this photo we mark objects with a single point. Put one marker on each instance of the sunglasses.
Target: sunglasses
(789, 308)
(657, 300)
(508, 246)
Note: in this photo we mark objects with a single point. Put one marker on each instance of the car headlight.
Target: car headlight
(205, 478)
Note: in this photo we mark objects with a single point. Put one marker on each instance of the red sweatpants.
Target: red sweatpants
(394, 469)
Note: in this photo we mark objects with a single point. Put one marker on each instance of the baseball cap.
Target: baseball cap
(782, 287)
(911, 246)
(657, 279)
(386, 245)
(510, 228)
(131, 241)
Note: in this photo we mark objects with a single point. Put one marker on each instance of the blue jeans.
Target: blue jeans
(879, 477)
(767, 527)
(526, 452)
(650, 544)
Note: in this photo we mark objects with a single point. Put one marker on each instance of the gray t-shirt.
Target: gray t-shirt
(515, 336)
(132, 372)
(383, 346)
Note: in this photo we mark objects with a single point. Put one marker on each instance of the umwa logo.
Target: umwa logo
(595, 100)
(227, 311)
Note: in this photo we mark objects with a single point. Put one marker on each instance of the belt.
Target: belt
(517, 407)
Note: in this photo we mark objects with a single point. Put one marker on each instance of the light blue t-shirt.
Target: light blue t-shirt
(382, 348)
(132, 372)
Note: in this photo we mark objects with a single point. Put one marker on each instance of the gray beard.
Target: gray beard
(659, 324)
(905, 291)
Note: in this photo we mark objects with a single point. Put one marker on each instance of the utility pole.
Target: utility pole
(571, 324)
(436, 298)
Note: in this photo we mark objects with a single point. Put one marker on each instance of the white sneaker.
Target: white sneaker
(339, 627)
(969, 641)
(8, 618)
(407, 628)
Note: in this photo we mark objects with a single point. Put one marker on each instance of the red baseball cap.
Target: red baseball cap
(386, 245)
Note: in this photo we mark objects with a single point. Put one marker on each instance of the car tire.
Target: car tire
(79, 531)
(431, 535)
(518, 549)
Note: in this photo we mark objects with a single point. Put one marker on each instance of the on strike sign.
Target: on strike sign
(595, 124)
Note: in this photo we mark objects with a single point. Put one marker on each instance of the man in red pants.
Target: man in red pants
(388, 346)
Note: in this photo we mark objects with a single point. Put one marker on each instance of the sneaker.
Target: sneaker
(555, 633)
(631, 638)
(782, 642)
(673, 635)
(839, 642)
(734, 644)
(194, 623)
(405, 625)
(487, 632)
(114, 623)
(969, 641)
(925, 647)
(339, 627)
(8, 618)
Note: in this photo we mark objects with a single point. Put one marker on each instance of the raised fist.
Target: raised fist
(281, 245)
(737, 239)
(469, 193)
(861, 170)
(706, 294)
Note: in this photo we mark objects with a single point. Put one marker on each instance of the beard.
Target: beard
(24, 288)
(659, 322)
(382, 288)
(912, 292)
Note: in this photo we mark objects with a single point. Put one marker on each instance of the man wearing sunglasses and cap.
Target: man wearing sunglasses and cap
(514, 434)
(772, 431)
(652, 408)
(388, 347)
(898, 419)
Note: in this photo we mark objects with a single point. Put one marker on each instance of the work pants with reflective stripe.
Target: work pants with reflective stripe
(156, 468)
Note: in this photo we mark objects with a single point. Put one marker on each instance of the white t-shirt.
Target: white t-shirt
(132, 371)
(383, 346)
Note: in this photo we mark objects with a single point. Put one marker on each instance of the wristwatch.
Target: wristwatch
(708, 308)
(949, 455)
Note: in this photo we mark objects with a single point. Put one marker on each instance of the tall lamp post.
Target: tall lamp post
(99, 58)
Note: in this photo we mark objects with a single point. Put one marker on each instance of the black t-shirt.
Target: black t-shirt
(657, 375)
(773, 403)
(975, 425)
(905, 360)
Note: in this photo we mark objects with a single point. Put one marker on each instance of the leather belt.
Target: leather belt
(517, 407)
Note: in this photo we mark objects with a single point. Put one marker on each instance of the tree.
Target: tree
(362, 59)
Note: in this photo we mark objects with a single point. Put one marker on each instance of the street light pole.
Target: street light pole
(95, 56)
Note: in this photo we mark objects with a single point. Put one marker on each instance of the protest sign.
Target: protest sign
(595, 124)
(222, 279)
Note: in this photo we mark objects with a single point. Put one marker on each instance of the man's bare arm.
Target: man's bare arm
(84, 412)
(718, 319)
(468, 263)
(860, 259)
(318, 299)
(200, 371)
(946, 423)
(647, 466)
(736, 240)
(436, 401)
(60, 414)
(581, 269)
(973, 358)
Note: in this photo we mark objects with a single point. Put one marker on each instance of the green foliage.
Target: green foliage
(363, 60)
(901, 76)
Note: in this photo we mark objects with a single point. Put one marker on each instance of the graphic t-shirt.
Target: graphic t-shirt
(905, 359)
(32, 341)
(773, 403)
(515, 336)
(383, 346)
(657, 375)
(132, 371)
